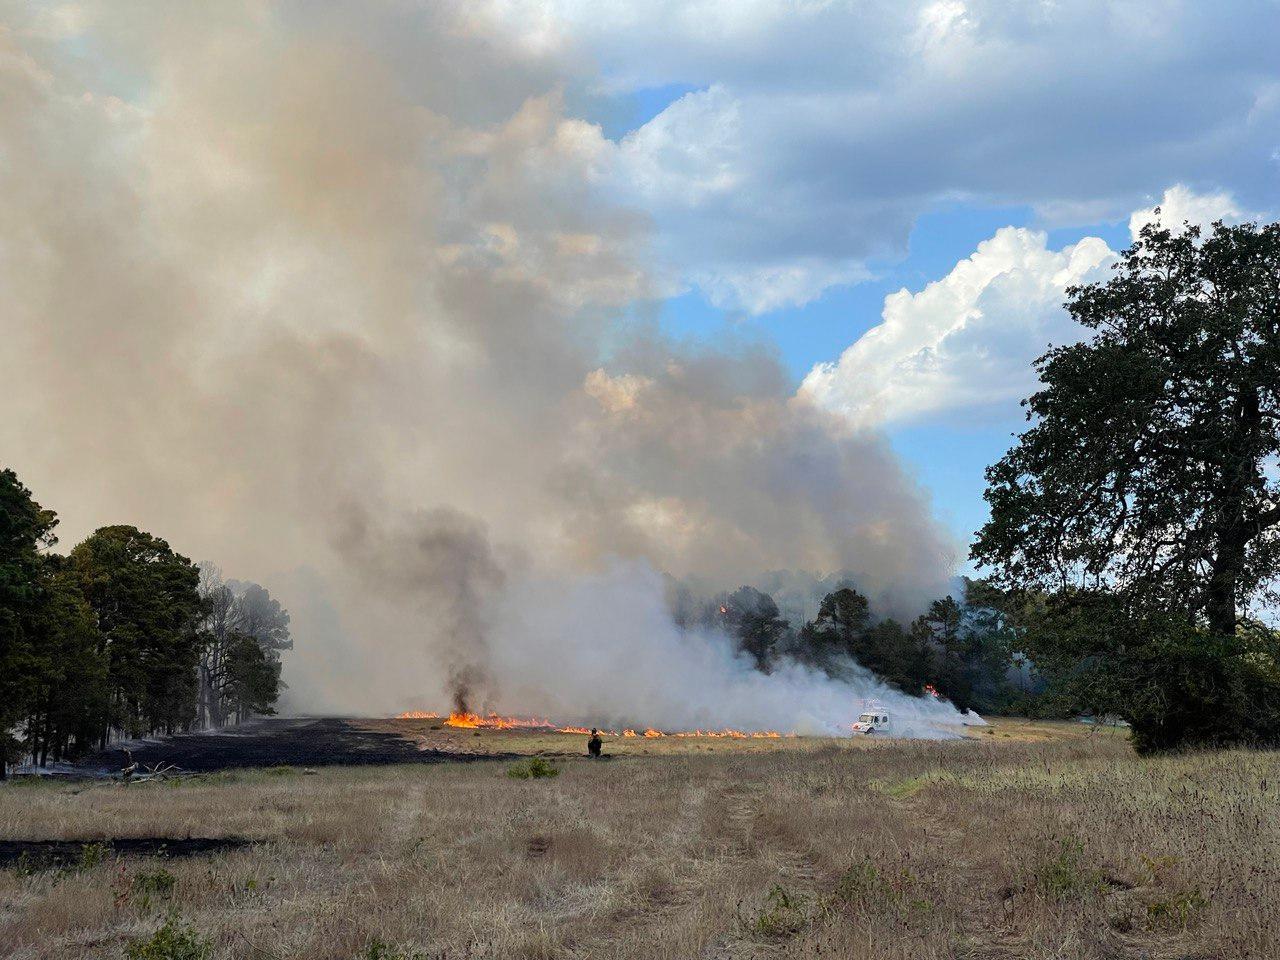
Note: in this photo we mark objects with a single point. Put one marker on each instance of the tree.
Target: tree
(897, 655)
(262, 617)
(836, 632)
(147, 604)
(1146, 471)
(752, 617)
(219, 619)
(252, 678)
(26, 528)
(68, 683)
(231, 611)
(970, 653)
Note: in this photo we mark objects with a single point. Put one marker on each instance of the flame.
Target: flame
(931, 690)
(472, 721)
(733, 734)
(466, 720)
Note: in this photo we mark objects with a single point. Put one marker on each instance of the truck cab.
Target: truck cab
(871, 721)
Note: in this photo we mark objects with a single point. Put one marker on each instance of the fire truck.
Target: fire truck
(874, 719)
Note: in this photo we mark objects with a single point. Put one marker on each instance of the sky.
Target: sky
(803, 162)
(409, 309)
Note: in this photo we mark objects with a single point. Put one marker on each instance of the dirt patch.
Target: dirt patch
(41, 854)
(275, 743)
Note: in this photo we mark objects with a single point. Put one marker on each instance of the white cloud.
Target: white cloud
(822, 130)
(970, 338)
(963, 340)
(1181, 205)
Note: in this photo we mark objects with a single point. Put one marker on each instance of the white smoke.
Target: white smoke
(602, 649)
(279, 285)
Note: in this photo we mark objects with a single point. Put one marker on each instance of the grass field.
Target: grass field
(1028, 841)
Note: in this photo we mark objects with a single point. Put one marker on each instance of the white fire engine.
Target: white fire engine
(874, 719)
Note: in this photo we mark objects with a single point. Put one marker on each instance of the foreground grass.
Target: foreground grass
(994, 847)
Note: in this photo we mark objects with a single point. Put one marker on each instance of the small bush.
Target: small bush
(783, 915)
(378, 949)
(1179, 910)
(865, 885)
(154, 885)
(535, 768)
(92, 854)
(1064, 873)
(173, 941)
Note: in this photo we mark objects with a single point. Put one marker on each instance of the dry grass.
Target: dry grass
(1046, 843)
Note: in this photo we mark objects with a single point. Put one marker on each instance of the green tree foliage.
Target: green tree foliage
(253, 677)
(25, 529)
(838, 630)
(1177, 683)
(67, 682)
(894, 653)
(752, 617)
(1138, 518)
(1145, 471)
(970, 653)
(147, 604)
(111, 639)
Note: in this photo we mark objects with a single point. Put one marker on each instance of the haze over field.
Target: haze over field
(382, 307)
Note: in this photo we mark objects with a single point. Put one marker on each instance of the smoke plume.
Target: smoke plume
(334, 297)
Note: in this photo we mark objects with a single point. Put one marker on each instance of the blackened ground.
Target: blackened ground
(272, 743)
(44, 854)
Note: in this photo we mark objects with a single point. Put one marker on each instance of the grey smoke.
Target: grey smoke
(438, 565)
(262, 265)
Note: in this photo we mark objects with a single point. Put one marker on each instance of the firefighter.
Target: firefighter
(595, 743)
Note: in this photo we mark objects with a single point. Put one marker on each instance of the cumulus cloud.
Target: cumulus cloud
(964, 340)
(971, 338)
(1181, 205)
(818, 132)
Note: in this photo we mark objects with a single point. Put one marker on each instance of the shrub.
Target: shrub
(534, 768)
(1064, 874)
(378, 949)
(866, 885)
(173, 941)
(783, 915)
(93, 854)
(157, 884)
(1179, 910)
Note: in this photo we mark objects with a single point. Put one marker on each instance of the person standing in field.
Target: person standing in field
(595, 743)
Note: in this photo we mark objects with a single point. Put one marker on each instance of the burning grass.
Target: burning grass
(999, 847)
(465, 720)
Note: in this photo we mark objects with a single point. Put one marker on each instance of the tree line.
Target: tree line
(962, 650)
(1132, 555)
(121, 637)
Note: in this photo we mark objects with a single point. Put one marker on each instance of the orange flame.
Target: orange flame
(493, 721)
(471, 721)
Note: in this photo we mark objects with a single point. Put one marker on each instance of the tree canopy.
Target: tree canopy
(113, 638)
(1148, 470)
